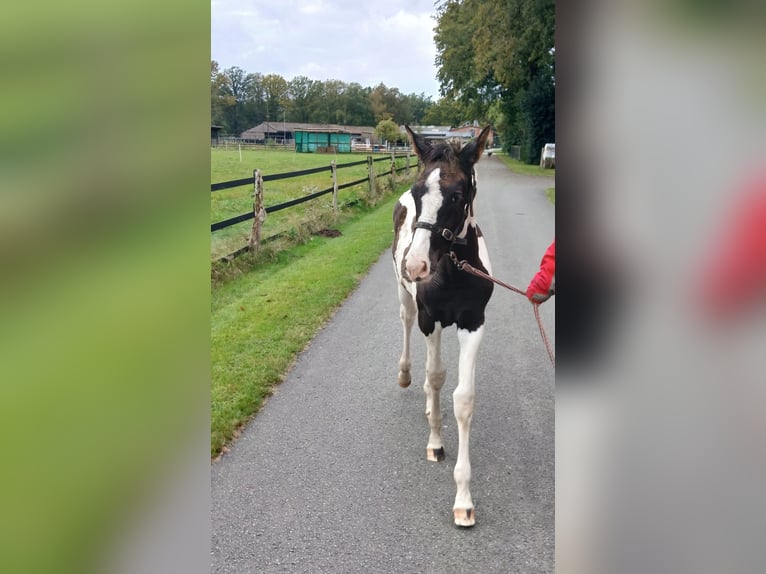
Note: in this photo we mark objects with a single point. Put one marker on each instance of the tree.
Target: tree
(235, 88)
(500, 50)
(304, 94)
(334, 102)
(387, 130)
(454, 49)
(538, 113)
(418, 104)
(358, 108)
(379, 103)
(233, 98)
(254, 107)
(239, 101)
(220, 99)
(276, 95)
(446, 112)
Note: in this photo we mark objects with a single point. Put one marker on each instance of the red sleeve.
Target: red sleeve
(541, 282)
(735, 274)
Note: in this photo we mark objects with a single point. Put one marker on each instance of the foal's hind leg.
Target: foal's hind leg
(435, 375)
(407, 313)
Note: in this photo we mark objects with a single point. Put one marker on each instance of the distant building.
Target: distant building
(322, 141)
(432, 134)
(308, 137)
(462, 134)
(215, 132)
(285, 133)
(469, 131)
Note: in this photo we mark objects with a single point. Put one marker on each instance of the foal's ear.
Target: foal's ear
(421, 146)
(472, 152)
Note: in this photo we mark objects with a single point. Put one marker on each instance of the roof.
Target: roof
(466, 131)
(322, 130)
(261, 129)
(431, 131)
(461, 133)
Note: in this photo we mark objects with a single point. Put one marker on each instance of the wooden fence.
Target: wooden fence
(259, 212)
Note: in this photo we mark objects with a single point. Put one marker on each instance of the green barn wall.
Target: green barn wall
(309, 142)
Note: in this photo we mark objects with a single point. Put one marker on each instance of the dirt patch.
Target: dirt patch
(328, 233)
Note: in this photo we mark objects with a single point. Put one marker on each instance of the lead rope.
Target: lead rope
(536, 307)
(463, 265)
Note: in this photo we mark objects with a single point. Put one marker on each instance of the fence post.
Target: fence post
(393, 168)
(407, 169)
(334, 168)
(371, 171)
(260, 214)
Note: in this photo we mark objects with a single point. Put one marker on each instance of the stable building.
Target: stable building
(322, 141)
(344, 138)
(462, 134)
(215, 134)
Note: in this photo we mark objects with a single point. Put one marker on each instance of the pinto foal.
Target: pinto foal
(431, 220)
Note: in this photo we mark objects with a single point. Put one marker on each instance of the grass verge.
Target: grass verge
(550, 193)
(522, 168)
(262, 319)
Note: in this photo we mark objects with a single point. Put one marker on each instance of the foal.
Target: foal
(431, 220)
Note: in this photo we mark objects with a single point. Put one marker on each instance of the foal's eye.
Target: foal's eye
(456, 197)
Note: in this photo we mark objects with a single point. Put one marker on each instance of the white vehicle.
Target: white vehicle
(548, 156)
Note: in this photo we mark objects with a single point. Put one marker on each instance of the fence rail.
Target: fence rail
(231, 184)
(259, 211)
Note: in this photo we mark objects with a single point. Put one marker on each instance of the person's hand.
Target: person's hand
(541, 287)
(538, 297)
(535, 295)
(543, 283)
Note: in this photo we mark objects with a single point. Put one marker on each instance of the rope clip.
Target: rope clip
(459, 264)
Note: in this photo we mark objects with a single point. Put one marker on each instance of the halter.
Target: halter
(441, 232)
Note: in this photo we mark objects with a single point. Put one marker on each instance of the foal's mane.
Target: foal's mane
(447, 152)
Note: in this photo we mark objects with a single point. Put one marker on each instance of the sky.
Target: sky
(361, 41)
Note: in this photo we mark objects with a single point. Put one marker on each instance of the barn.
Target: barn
(215, 133)
(344, 137)
(322, 141)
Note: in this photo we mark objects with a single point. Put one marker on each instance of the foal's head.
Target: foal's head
(444, 195)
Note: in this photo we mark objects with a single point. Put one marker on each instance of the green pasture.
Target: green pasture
(226, 165)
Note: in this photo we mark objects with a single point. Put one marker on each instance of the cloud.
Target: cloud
(361, 42)
(313, 7)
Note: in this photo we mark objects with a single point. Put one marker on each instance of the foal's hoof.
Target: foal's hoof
(405, 378)
(435, 454)
(465, 517)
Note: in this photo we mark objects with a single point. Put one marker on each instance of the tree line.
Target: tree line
(241, 100)
(496, 64)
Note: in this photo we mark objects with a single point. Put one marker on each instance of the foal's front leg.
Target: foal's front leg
(435, 375)
(463, 398)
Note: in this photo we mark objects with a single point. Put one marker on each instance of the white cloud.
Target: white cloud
(364, 42)
(313, 7)
(312, 70)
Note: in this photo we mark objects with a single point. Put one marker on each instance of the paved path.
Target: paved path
(331, 476)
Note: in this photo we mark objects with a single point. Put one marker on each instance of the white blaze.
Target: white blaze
(417, 259)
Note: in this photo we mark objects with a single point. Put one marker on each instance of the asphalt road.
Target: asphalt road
(331, 476)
